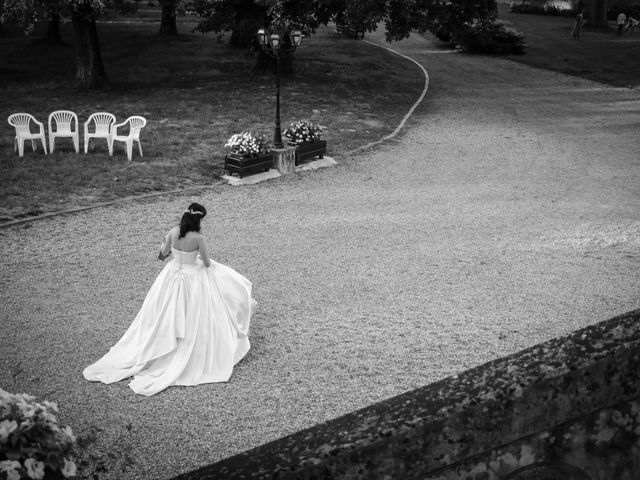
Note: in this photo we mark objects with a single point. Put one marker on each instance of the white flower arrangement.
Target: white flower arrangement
(248, 143)
(303, 131)
(32, 444)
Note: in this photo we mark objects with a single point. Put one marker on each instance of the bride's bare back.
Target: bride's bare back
(191, 242)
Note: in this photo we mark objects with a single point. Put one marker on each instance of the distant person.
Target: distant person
(577, 29)
(622, 20)
(631, 25)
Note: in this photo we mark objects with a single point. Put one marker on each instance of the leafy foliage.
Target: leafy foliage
(32, 444)
(447, 18)
(30, 12)
(546, 9)
(489, 36)
(400, 17)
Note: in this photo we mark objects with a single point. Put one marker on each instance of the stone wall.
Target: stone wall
(567, 409)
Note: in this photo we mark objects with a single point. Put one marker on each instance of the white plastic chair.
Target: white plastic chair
(66, 125)
(103, 128)
(136, 124)
(22, 123)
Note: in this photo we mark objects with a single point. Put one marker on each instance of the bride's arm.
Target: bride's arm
(204, 251)
(165, 247)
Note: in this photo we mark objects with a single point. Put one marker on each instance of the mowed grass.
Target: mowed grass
(598, 55)
(195, 91)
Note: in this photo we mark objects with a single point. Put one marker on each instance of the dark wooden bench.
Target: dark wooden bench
(350, 31)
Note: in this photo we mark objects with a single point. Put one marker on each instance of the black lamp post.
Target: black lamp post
(272, 44)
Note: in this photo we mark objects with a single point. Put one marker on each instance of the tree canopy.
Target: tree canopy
(90, 71)
(400, 17)
(243, 18)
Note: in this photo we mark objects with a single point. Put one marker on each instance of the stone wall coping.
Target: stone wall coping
(431, 427)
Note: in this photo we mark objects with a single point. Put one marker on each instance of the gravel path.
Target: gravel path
(507, 213)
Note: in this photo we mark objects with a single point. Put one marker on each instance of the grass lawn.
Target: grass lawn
(598, 55)
(195, 92)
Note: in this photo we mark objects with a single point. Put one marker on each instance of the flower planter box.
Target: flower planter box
(310, 150)
(235, 163)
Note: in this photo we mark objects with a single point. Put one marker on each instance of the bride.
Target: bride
(193, 326)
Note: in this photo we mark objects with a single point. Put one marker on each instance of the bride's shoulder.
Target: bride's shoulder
(193, 234)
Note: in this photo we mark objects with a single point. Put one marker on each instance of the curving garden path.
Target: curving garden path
(505, 213)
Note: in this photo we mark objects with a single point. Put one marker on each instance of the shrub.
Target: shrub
(542, 9)
(560, 12)
(490, 37)
(32, 445)
(447, 19)
(126, 7)
(526, 7)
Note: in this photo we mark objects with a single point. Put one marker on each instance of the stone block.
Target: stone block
(284, 159)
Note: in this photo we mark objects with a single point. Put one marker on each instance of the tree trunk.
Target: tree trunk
(90, 72)
(596, 11)
(53, 28)
(168, 24)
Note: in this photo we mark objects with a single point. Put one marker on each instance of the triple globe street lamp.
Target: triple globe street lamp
(275, 45)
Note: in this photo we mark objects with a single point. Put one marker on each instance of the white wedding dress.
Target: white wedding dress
(193, 327)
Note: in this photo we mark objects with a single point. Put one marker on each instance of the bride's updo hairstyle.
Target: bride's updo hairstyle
(191, 218)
